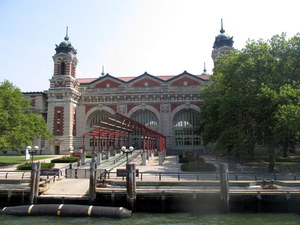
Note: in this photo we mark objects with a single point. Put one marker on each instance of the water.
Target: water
(148, 218)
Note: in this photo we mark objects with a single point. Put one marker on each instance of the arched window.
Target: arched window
(96, 117)
(185, 127)
(93, 119)
(147, 118)
(62, 68)
(178, 141)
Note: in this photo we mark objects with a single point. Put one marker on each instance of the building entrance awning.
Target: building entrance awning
(118, 126)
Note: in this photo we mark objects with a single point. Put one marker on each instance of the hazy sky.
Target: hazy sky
(129, 37)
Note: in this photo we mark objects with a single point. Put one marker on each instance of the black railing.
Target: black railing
(182, 176)
(15, 174)
(81, 173)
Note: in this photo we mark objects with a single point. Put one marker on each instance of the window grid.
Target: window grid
(186, 124)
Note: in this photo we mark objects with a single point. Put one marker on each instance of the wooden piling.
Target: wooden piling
(92, 187)
(37, 182)
(224, 186)
(9, 194)
(32, 183)
(131, 186)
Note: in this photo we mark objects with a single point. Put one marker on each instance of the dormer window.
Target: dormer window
(62, 68)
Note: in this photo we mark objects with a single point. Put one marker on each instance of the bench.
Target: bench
(49, 171)
(123, 172)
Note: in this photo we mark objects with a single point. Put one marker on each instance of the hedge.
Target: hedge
(198, 167)
(189, 160)
(65, 160)
(27, 166)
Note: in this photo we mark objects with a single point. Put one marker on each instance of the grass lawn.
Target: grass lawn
(10, 160)
(283, 164)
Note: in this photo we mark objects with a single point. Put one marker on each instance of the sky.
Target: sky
(130, 37)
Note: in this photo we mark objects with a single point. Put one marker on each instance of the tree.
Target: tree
(254, 98)
(18, 127)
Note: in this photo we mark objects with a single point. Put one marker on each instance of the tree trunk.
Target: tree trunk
(272, 162)
(251, 151)
(292, 147)
(285, 147)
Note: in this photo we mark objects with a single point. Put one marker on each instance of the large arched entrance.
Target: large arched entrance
(185, 130)
(147, 118)
(118, 128)
(93, 142)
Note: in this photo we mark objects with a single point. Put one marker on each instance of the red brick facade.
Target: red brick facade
(58, 122)
(131, 106)
(88, 108)
(107, 84)
(185, 81)
(156, 106)
(74, 121)
(146, 82)
(73, 71)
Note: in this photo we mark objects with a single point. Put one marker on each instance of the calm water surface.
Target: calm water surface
(148, 218)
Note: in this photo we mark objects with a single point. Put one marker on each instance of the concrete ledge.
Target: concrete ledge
(287, 183)
(183, 183)
(64, 197)
(14, 181)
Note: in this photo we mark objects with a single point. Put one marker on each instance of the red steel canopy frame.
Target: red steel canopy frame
(117, 126)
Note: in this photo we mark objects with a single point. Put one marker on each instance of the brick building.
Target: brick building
(167, 104)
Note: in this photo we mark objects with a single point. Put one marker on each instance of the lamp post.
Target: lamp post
(34, 151)
(127, 151)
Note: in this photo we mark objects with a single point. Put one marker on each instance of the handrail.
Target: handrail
(53, 177)
(18, 174)
(118, 159)
(212, 176)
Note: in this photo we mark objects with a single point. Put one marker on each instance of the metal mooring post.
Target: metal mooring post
(224, 186)
(131, 186)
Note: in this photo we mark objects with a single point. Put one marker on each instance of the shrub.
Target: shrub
(48, 165)
(88, 155)
(198, 167)
(27, 166)
(288, 159)
(65, 160)
(189, 160)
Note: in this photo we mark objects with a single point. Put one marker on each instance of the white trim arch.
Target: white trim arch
(95, 109)
(184, 136)
(183, 107)
(146, 107)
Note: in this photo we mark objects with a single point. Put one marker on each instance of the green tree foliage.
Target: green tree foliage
(18, 127)
(254, 98)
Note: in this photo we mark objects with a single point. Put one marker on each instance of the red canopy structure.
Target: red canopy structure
(117, 128)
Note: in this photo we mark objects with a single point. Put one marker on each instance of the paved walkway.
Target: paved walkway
(69, 187)
(170, 165)
(80, 187)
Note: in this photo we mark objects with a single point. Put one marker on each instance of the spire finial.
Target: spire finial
(67, 37)
(102, 74)
(222, 30)
(204, 70)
